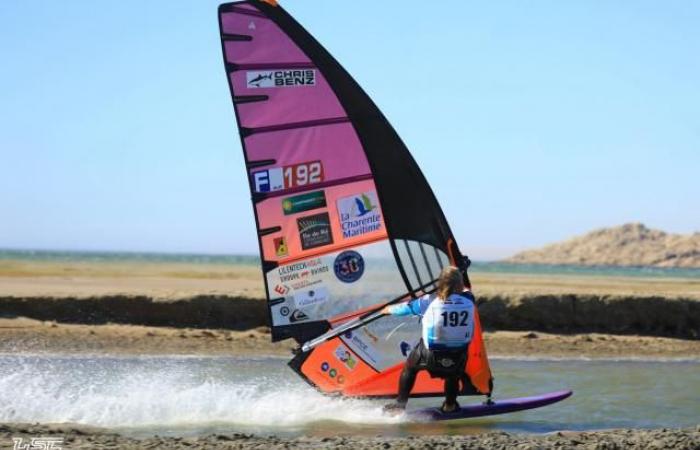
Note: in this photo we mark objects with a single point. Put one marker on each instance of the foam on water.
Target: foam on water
(137, 393)
(200, 395)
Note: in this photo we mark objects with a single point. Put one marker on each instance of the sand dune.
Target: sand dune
(631, 244)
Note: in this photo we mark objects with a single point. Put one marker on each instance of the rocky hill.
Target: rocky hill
(631, 244)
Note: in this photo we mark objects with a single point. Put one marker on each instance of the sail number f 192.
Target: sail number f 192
(287, 177)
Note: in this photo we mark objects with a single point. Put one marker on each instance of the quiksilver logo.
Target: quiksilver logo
(280, 78)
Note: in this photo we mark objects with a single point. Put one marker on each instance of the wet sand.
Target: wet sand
(79, 437)
(33, 336)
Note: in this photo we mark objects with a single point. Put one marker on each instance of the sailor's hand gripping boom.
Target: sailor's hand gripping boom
(365, 318)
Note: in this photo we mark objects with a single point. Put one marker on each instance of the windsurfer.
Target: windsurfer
(447, 328)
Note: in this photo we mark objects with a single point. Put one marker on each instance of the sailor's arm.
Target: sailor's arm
(408, 308)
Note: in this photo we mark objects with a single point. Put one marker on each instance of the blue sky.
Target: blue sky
(533, 121)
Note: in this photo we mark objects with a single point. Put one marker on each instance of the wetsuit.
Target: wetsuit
(447, 329)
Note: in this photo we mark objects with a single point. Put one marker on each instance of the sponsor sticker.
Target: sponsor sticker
(303, 202)
(359, 214)
(370, 335)
(281, 248)
(349, 266)
(298, 316)
(305, 283)
(311, 297)
(287, 177)
(315, 231)
(344, 356)
(360, 345)
(268, 180)
(280, 78)
(282, 289)
(302, 273)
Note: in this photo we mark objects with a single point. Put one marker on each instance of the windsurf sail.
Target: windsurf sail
(346, 221)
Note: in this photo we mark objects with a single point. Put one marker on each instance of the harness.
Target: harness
(446, 363)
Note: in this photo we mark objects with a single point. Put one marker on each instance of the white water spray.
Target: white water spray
(164, 392)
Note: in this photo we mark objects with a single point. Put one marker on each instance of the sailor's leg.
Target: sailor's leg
(451, 391)
(408, 375)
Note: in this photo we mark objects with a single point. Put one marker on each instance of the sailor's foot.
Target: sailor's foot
(394, 408)
(447, 409)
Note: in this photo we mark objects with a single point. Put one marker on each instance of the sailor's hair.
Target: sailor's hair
(450, 282)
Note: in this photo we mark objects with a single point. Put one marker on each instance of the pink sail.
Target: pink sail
(346, 221)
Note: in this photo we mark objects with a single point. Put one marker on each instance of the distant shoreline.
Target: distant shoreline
(477, 267)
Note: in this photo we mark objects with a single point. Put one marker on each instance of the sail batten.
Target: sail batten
(295, 125)
(236, 37)
(347, 222)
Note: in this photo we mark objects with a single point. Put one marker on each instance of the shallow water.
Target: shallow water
(198, 395)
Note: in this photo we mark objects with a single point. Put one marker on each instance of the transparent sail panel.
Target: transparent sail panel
(334, 284)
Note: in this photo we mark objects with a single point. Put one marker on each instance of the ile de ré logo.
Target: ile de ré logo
(36, 443)
(280, 78)
(359, 214)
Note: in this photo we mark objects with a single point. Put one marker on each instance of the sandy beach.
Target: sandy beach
(80, 279)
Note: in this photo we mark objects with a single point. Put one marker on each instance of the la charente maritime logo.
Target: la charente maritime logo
(359, 214)
(364, 205)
